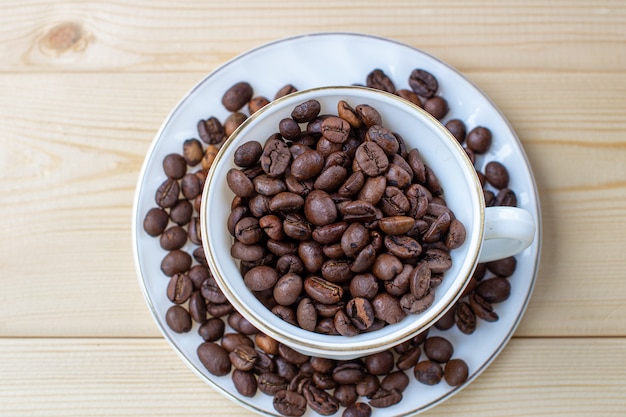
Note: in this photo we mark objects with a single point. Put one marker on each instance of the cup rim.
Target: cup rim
(348, 347)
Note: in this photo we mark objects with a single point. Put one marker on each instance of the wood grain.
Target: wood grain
(108, 377)
(198, 35)
(70, 159)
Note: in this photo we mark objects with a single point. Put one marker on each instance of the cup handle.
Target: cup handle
(508, 231)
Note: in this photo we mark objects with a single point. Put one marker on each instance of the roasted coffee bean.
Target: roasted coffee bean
(379, 80)
(248, 154)
(494, 290)
(403, 246)
(155, 221)
(307, 165)
(239, 184)
(175, 261)
(438, 261)
(182, 211)
(179, 288)
(214, 358)
(394, 202)
(250, 253)
(240, 324)
(209, 156)
(247, 231)
(212, 330)
(408, 359)
(344, 325)
(286, 369)
(464, 317)
(282, 247)
(358, 211)
(428, 372)
(324, 381)
(306, 112)
(438, 229)
(288, 289)
(482, 309)
(178, 319)
(397, 176)
(349, 114)
(360, 312)
(174, 166)
(233, 121)
(237, 96)
(369, 115)
(211, 291)
(438, 349)
(367, 386)
(191, 186)
(231, 340)
(285, 90)
(261, 278)
(167, 193)
(346, 395)
(245, 382)
(400, 284)
(505, 197)
(497, 174)
(357, 410)
(291, 355)
(371, 158)
(266, 343)
(272, 226)
(354, 239)
(364, 285)
(446, 321)
(456, 234)
(319, 208)
(335, 129)
(275, 157)
(437, 106)
(270, 383)
(173, 238)
(235, 215)
(409, 96)
(457, 128)
(197, 307)
(192, 152)
(322, 290)
(219, 310)
(456, 372)
(329, 233)
(419, 283)
(383, 138)
(306, 314)
(310, 252)
(211, 131)
(503, 267)
(348, 373)
(320, 401)
(373, 189)
(384, 398)
(199, 256)
(289, 403)
(285, 313)
(387, 308)
(289, 128)
(412, 305)
(379, 363)
(337, 270)
(289, 264)
(479, 139)
(352, 184)
(423, 83)
(331, 178)
(296, 227)
(386, 266)
(243, 357)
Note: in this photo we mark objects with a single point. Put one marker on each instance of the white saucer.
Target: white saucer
(338, 59)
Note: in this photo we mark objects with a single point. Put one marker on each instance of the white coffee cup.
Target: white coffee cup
(491, 232)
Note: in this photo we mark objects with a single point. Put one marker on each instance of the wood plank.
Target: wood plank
(198, 35)
(143, 377)
(71, 146)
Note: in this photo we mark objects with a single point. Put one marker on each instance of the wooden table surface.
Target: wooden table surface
(84, 86)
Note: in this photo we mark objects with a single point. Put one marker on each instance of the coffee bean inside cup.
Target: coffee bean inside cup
(370, 220)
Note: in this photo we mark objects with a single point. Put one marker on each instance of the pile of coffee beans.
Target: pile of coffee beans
(339, 229)
(232, 346)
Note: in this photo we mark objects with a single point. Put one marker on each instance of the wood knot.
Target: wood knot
(64, 37)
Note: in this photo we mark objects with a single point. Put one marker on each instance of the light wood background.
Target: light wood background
(84, 85)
